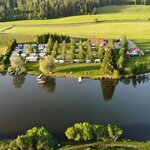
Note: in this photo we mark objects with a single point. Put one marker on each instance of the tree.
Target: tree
(16, 62)
(63, 55)
(114, 133)
(55, 48)
(87, 132)
(49, 46)
(97, 45)
(80, 132)
(101, 53)
(35, 138)
(81, 51)
(72, 49)
(98, 131)
(89, 52)
(29, 50)
(46, 64)
(108, 64)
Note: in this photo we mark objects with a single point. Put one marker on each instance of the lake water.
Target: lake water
(61, 102)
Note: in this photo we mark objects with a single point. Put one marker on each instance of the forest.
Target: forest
(11, 10)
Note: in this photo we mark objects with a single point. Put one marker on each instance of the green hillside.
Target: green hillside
(108, 13)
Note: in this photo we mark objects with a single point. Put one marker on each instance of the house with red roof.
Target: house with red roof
(101, 41)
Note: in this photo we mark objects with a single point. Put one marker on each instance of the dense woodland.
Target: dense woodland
(46, 9)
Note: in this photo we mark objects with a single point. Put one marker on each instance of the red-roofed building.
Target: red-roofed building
(101, 41)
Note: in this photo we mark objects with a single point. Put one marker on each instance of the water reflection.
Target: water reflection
(135, 81)
(108, 88)
(18, 80)
(49, 85)
(3, 73)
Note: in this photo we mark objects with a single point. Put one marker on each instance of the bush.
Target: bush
(95, 20)
(2, 68)
(10, 69)
(5, 60)
(1, 57)
(139, 67)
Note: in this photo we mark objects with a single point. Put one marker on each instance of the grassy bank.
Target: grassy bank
(110, 146)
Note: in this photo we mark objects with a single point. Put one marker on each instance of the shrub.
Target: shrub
(5, 60)
(2, 68)
(96, 20)
(1, 57)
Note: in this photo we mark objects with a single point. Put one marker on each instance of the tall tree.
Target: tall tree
(108, 64)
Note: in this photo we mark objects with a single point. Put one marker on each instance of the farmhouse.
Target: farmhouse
(136, 52)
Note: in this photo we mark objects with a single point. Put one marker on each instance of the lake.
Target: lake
(61, 102)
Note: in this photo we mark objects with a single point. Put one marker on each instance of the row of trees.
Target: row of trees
(84, 50)
(88, 132)
(44, 9)
(44, 38)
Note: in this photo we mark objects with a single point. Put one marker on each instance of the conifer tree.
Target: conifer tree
(49, 46)
(108, 64)
(63, 55)
(81, 51)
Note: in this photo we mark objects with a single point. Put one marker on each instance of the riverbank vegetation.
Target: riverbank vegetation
(80, 136)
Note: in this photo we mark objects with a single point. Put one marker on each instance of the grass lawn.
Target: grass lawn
(32, 68)
(77, 70)
(68, 69)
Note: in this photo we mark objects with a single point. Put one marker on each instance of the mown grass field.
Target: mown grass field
(68, 69)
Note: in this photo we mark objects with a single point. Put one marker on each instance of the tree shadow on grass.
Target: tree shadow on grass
(79, 69)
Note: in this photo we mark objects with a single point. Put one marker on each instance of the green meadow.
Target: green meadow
(113, 22)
